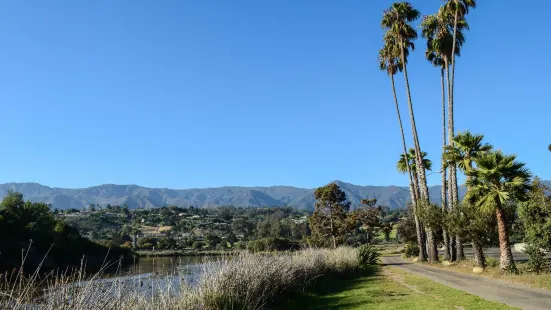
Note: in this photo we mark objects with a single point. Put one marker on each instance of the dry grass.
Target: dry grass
(245, 281)
(154, 230)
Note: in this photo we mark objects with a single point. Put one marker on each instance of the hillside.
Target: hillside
(142, 197)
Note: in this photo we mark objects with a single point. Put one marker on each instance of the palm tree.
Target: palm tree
(397, 23)
(454, 11)
(390, 61)
(438, 29)
(466, 148)
(497, 180)
(409, 166)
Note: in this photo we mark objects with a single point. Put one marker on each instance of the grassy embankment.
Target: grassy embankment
(384, 288)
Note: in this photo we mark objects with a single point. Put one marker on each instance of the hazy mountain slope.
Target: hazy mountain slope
(142, 197)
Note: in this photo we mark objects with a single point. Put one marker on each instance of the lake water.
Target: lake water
(181, 265)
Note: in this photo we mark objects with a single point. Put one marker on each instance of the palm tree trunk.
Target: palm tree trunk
(423, 189)
(444, 169)
(479, 259)
(453, 195)
(507, 263)
(412, 188)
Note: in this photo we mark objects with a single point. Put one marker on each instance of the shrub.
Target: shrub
(411, 250)
(492, 262)
(368, 255)
(271, 244)
(536, 258)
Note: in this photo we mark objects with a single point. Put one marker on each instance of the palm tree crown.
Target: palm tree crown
(401, 164)
(396, 21)
(390, 59)
(461, 6)
(438, 30)
(466, 148)
(497, 179)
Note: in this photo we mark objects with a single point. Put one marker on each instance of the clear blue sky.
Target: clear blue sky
(186, 94)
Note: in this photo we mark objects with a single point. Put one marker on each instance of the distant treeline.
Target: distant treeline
(32, 236)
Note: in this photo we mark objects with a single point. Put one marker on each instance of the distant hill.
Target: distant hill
(142, 197)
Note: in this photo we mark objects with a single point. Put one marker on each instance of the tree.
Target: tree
(387, 230)
(436, 29)
(369, 216)
(535, 214)
(330, 218)
(397, 23)
(496, 180)
(401, 166)
(241, 226)
(390, 60)
(464, 150)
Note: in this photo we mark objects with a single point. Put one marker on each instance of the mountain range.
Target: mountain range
(143, 197)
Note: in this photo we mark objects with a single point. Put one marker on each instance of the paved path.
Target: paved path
(515, 295)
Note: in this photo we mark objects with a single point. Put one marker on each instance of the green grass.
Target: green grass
(371, 289)
(393, 233)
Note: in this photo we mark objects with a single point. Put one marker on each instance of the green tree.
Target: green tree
(330, 218)
(462, 153)
(397, 23)
(496, 180)
(390, 61)
(401, 166)
(369, 216)
(535, 214)
(438, 30)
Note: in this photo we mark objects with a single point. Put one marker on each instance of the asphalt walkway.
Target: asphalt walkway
(511, 294)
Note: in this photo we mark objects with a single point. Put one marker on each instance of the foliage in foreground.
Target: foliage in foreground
(245, 281)
(369, 255)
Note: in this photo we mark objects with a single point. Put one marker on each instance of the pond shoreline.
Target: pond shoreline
(179, 253)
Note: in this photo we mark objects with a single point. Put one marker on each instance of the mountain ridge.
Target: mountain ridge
(136, 196)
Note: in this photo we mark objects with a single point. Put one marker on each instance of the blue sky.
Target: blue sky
(186, 94)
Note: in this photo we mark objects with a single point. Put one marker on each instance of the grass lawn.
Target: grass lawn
(384, 288)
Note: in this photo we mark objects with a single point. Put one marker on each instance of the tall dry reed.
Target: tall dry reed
(244, 281)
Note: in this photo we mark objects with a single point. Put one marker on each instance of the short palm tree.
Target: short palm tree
(403, 163)
(467, 147)
(497, 180)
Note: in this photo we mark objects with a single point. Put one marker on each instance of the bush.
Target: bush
(411, 250)
(197, 245)
(271, 244)
(536, 258)
(492, 262)
(368, 255)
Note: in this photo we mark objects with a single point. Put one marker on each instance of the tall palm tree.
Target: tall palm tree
(390, 62)
(438, 29)
(397, 23)
(454, 10)
(497, 180)
(466, 148)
